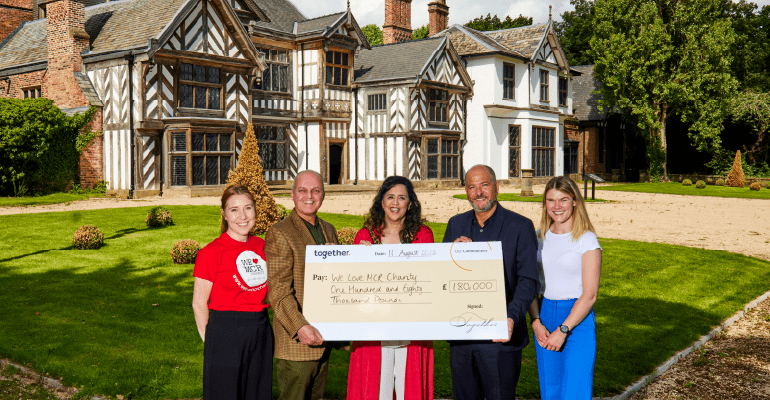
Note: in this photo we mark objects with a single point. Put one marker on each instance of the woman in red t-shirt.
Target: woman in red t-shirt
(380, 369)
(230, 305)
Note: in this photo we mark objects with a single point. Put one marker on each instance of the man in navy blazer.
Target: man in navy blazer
(483, 369)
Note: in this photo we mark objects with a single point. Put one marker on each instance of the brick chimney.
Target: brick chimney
(12, 14)
(67, 39)
(439, 16)
(398, 21)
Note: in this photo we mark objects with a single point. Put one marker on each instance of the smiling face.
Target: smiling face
(560, 207)
(240, 215)
(307, 195)
(395, 203)
(480, 189)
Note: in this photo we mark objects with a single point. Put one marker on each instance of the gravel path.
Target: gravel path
(714, 223)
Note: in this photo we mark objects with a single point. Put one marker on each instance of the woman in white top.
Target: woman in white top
(564, 325)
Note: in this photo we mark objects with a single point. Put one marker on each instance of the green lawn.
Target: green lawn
(54, 198)
(537, 198)
(119, 321)
(678, 188)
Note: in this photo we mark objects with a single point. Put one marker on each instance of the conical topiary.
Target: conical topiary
(735, 178)
(249, 173)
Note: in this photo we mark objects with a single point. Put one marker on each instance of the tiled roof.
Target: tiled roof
(88, 89)
(27, 45)
(516, 42)
(282, 13)
(112, 26)
(585, 102)
(524, 40)
(394, 61)
(319, 23)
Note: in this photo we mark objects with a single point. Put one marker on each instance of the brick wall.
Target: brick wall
(14, 86)
(398, 21)
(91, 162)
(439, 17)
(12, 14)
(66, 39)
(590, 153)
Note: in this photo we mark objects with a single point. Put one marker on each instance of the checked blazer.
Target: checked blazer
(285, 244)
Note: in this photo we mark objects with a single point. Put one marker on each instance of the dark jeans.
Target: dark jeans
(482, 371)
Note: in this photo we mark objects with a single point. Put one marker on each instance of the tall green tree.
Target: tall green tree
(575, 32)
(493, 23)
(373, 34)
(751, 52)
(662, 58)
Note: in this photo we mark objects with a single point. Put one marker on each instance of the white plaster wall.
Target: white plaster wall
(312, 147)
(380, 168)
(399, 159)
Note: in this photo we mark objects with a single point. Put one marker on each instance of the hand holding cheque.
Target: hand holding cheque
(437, 291)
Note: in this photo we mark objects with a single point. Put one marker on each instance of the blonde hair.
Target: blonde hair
(580, 221)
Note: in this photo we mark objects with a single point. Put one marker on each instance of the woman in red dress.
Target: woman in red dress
(395, 369)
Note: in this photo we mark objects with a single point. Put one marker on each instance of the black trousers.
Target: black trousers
(482, 371)
(238, 356)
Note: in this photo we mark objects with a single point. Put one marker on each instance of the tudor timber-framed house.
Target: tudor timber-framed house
(523, 97)
(176, 83)
(410, 111)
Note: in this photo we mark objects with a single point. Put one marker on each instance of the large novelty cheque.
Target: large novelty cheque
(435, 291)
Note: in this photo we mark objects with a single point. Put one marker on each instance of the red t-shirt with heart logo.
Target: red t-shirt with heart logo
(238, 271)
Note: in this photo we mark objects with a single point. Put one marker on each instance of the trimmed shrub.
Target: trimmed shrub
(283, 212)
(346, 235)
(87, 237)
(185, 251)
(700, 185)
(687, 182)
(158, 216)
(720, 182)
(249, 173)
(754, 186)
(735, 177)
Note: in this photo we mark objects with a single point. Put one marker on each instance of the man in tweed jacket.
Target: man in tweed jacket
(302, 357)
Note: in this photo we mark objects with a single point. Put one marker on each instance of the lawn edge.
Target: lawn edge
(662, 368)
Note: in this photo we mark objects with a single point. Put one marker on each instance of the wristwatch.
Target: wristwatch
(564, 329)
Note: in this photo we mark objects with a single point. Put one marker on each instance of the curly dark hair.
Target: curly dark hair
(412, 219)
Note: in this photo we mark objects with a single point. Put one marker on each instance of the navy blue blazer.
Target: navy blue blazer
(519, 243)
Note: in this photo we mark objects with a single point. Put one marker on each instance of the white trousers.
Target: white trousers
(393, 370)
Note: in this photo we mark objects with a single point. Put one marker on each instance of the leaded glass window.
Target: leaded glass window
(272, 147)
(543, 149)
(200, 87)
(210, 158)
(514, 150)
(277, 76)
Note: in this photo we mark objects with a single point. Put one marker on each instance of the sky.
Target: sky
(460, 11)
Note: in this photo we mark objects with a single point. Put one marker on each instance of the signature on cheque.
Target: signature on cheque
(471, 320)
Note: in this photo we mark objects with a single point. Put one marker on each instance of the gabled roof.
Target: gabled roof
(525, 39)
(318, 24)
(112, 26)
(585, 102)
(523, 42)
(469, 41)
(404, 60)
(282, 14)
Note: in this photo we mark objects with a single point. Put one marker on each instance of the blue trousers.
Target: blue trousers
(569, 373)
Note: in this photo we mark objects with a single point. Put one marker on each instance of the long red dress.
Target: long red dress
(366, 358)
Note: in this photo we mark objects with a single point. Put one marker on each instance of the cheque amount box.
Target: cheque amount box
(436, 291)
